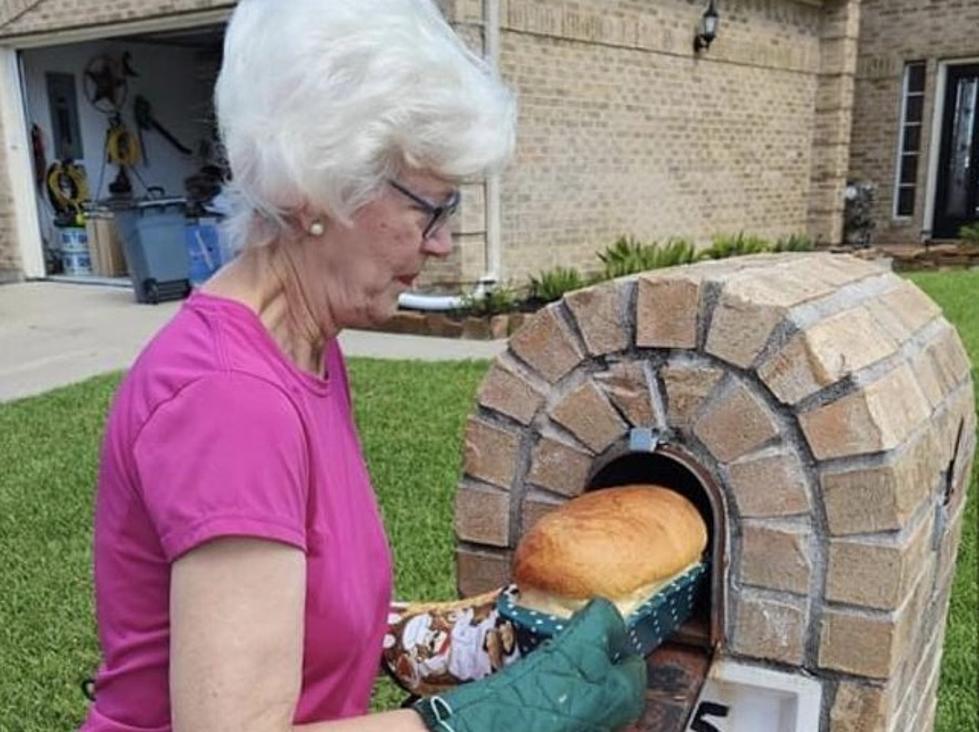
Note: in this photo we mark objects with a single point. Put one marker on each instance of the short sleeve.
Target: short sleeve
(226, 456)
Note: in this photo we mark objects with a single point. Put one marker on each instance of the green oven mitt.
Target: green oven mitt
(587, 678)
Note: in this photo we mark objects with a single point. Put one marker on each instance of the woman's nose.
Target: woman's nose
(439, 242)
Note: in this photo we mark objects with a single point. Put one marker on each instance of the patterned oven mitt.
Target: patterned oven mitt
(432, 647)
(588, 678)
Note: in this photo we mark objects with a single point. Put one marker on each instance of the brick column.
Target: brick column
(11, 269)
(827, 399)
(833, 119)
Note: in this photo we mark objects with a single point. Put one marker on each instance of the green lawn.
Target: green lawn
(411, 417)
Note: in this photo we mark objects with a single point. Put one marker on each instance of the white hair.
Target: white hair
(320, 101)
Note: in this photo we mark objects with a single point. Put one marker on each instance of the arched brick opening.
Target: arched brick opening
(826, 400)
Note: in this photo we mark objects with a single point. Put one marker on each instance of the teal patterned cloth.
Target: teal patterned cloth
(587, 678)
(648, 626)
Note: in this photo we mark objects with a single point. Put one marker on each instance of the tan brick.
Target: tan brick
(480, 570)
(687, 386)
(825, 353)
(887, 320)
(775, 559)
(949, 358)
(506, 391)
(405, 322)
(877, 574)
(883, 497)
(667, 309)
(769, 629)
(626, 386)
(535, 506)
(559, 467)
(926, 371)
(441, 325)
(912, 308)
(769, 485)
(600, 314)
(490, 453)
(740, 329)
(951, 540)
(859, 708)
(587, 414)
(878, 417)
(499, 326)
(919, 693)
(482, 514)
(751, 304)
(547, 345)
(958, 411)
(735, 423)
(863, 645)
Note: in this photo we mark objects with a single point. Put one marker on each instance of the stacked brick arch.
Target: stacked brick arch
(827, 398)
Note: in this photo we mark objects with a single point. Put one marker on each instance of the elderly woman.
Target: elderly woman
(242, 573)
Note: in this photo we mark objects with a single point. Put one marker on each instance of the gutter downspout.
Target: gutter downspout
(493, 250)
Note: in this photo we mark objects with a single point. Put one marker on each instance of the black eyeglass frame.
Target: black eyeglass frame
(438, 213)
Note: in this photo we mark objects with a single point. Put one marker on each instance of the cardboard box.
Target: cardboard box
(105, 245)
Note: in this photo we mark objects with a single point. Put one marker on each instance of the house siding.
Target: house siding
(892, 33)
(622, 129)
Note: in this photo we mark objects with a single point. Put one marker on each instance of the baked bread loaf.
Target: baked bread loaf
(619, 543)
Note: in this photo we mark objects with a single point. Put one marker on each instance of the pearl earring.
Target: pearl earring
(317, 229)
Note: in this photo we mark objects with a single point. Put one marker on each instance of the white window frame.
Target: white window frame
(902, 126)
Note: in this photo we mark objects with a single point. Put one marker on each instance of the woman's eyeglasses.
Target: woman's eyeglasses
(438, 214)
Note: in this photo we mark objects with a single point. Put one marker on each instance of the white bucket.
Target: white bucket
(75, 256)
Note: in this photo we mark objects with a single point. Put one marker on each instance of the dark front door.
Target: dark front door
(957, 202)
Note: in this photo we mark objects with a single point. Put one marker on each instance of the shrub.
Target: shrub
(725, 246)
(970, 234)
(499, 300)
(794, 243)
(628, 256)
(552, 284)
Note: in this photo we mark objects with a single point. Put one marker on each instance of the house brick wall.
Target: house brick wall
(10, 264)
(624, 131)
(892, 33)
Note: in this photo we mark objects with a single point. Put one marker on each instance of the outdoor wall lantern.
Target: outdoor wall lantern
(707, 30)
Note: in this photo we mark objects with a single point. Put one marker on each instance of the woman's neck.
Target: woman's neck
(267, 280)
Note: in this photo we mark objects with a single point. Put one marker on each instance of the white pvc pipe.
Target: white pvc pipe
(493, 253)
(435, 303)
(494, 248)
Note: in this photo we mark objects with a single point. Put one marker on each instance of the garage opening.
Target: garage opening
(124, 146)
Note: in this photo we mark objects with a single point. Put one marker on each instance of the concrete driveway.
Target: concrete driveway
(53, 334)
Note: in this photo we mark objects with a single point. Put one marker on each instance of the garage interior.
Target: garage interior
(123, 130)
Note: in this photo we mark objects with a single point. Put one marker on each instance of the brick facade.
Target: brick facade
(892, 33)
(624, 130)
(842, 515)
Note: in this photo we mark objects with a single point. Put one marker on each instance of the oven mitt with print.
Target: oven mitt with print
(432, 647)
(586, 679)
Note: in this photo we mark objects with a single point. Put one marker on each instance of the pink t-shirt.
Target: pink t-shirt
(215, 433)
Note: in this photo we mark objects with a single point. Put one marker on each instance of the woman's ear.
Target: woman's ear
(311, 223)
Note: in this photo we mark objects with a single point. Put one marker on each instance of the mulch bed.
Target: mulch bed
(492, 327)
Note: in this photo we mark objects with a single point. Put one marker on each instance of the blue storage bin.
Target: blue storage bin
(203, 250)
(153, 233)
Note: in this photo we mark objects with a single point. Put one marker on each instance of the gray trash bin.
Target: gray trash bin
(153, 233)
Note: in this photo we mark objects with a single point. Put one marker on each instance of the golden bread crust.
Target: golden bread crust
(609, 543)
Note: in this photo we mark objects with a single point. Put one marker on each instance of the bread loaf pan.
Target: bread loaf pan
(648, 625)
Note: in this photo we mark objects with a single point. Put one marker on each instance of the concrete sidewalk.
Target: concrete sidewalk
(54, 334)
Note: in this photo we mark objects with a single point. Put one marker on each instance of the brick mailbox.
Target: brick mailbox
(817, 409)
